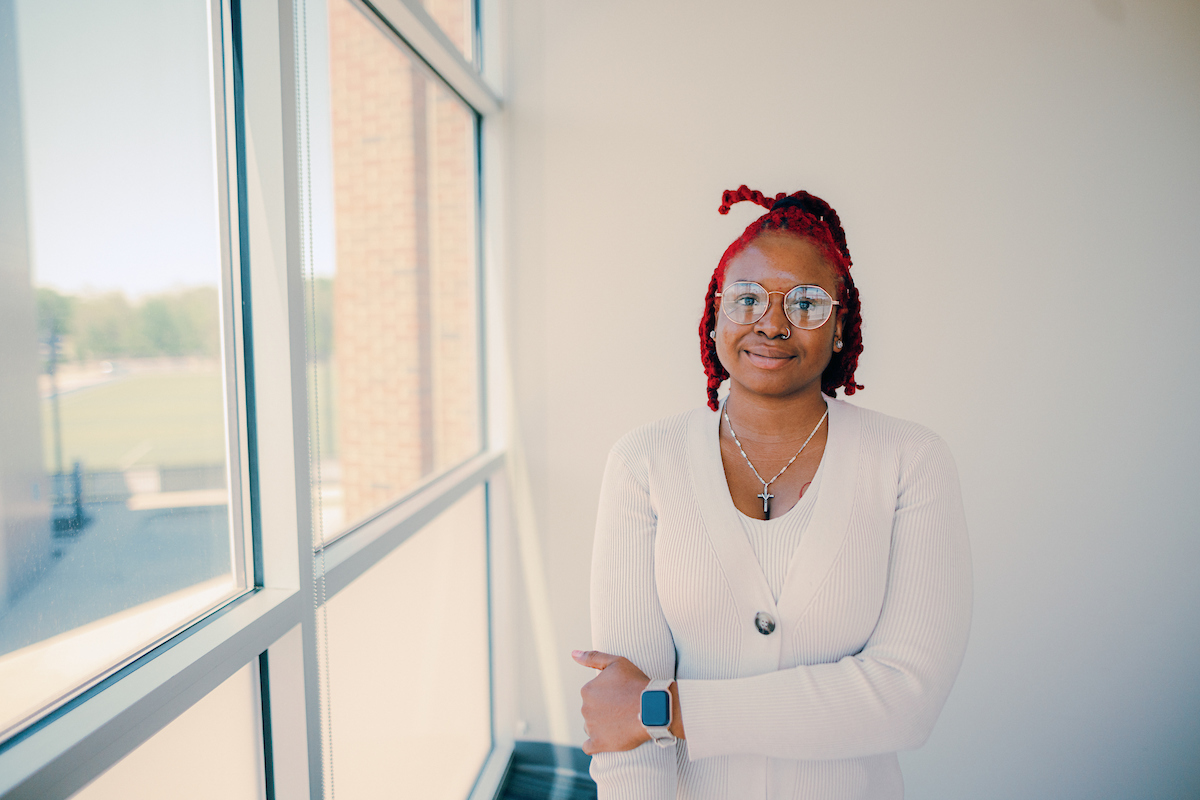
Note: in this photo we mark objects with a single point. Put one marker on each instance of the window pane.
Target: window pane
(408, 665)
(212, 750)
(456, 18)
(115, 520)
(394, 314)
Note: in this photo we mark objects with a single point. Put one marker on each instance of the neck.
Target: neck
(763, 418)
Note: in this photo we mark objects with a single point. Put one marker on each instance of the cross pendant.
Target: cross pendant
(766, 498)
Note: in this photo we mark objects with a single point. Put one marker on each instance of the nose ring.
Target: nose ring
(788, 333)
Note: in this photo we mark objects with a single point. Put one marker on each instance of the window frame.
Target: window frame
(274, 624)
(233, 377)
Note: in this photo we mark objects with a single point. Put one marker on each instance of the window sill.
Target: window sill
(60, 754)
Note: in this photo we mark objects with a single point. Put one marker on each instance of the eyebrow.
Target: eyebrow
(732, 281)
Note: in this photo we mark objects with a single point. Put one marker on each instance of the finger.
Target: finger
(593, 658)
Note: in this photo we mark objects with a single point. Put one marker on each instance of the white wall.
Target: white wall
(1020, 184)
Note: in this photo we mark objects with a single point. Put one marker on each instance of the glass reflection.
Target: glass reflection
(115, 522)
(393, 312)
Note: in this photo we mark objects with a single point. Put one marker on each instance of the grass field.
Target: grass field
(161, 419)
(171, 419)
(167, 419)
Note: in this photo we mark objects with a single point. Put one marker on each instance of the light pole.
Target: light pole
(52, 368)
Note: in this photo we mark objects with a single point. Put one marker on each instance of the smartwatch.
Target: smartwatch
(656, 712)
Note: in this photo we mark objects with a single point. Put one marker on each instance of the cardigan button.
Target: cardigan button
(764, 623)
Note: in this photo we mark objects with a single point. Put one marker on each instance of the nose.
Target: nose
(774, 323)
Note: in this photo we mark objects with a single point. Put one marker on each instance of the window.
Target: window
(222, 728)
(244, 347)
(408, 664)
(393, 304)
(121, 518)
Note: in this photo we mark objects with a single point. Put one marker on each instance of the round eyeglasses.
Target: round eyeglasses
(807, 307)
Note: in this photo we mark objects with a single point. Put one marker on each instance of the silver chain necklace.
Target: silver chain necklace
(766, 495)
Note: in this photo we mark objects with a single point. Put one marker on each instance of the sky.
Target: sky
(119, 134)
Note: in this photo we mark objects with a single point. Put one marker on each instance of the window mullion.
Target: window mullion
(418, 30)
(284, 501)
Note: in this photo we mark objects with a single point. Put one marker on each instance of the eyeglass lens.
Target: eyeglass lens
(806, 307)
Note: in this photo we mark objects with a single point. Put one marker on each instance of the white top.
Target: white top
(774, 540)
(871, 620)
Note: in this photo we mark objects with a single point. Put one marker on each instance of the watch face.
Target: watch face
(656, 708)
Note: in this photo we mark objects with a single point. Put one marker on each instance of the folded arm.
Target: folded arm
(886, 697)
(627, 621)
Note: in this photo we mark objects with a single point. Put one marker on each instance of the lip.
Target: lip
(768, 359)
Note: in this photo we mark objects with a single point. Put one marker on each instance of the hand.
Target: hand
(612, 701)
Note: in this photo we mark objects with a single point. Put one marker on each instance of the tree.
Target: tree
(54, 313)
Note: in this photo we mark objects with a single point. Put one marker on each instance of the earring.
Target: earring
(837, 345)
(712, 335)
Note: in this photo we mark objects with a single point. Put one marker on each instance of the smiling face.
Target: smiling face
(762, 358)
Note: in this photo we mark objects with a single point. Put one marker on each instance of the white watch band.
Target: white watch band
(661, 735)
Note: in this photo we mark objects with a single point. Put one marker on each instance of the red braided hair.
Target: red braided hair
(810, 217)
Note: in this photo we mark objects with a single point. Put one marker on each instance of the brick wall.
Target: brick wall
(404, 311)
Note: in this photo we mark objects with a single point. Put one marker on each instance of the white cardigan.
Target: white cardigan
(870, 627)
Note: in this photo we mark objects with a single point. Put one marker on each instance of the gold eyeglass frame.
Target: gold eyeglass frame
(767, 307)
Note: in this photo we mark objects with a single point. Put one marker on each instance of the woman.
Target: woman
(792, 571)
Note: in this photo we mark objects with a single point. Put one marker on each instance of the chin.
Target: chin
(770, 388)
(776, 386)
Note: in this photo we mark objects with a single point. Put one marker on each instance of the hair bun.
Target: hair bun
(797, 202)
